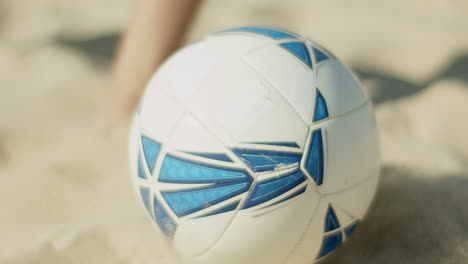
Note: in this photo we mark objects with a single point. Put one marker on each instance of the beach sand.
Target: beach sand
(66, 194)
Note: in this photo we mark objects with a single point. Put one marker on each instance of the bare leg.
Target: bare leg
(157, 28)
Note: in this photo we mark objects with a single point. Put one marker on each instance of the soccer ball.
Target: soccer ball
(255, 145)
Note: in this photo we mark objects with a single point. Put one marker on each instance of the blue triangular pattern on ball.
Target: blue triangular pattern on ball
(290, 144)
(264, 160)
(319, 55)
(224, 209)
(331, 221)
(314, 163)
(179, 170)
(208, 155)
(189, 201)
(272, 33)
(321, 110)
(299, 49)
(164, 220)
(141, 171)
(151, 151)
(350, 229)
(270, 189)
(330, 243)
(145, 197)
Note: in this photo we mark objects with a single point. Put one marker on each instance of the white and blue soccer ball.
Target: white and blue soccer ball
(257, 146)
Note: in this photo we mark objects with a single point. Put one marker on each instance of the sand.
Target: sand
(66, 195)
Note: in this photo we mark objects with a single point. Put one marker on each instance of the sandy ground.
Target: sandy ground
(65, 194)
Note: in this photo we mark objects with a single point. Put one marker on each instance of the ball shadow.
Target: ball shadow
(393, 87)
(412, 220)
(99, 49)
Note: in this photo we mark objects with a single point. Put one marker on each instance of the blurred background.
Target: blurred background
(66, 195)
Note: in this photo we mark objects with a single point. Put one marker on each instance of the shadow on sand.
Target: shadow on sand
(100, 49)
(414, 219)
(393, 87)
